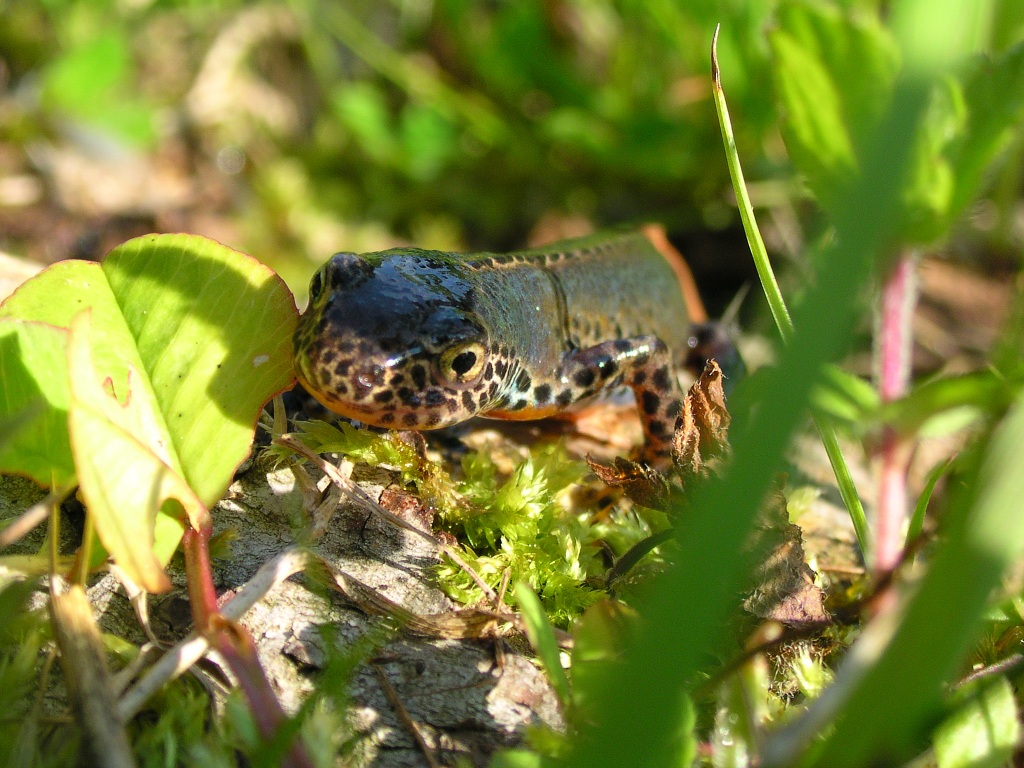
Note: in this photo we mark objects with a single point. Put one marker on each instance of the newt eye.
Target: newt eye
(463, 362)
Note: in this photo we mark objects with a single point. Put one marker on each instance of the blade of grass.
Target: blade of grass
(687, 611)
(542, 638)
(921, 508)
(780, 313)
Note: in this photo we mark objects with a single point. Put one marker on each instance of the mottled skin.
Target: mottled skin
(415, 339)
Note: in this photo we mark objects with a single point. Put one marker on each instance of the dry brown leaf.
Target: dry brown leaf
(702, 428)
(641, 483)
(785, 590)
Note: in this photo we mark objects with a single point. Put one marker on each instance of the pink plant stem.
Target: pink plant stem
(234, 644)
(893, 336)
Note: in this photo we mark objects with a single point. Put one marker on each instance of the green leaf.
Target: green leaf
(844, 396)
(124, 468)
(214, 329)
(833, 75)
(983, 731)
(34, 402)
(428, 141)
(542, 638)
(993, 98)
(189, 336)
(85, 75)
(92, 82)
(518, 758)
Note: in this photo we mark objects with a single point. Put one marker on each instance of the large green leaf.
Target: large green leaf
(191, 339)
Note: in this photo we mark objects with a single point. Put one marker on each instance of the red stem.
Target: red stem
(894, 350)
(202, 593)
(234, 644)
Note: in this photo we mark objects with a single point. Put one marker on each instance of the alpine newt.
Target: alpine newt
(415, 339)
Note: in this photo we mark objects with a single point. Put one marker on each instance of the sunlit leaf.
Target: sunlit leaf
(192, 338)
(124, 468)
(984, 730)
(833, 73)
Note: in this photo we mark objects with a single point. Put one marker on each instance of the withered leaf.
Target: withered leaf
(644, 485)
(702, 427)
(785, 590)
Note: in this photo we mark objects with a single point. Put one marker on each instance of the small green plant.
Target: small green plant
(140, 381)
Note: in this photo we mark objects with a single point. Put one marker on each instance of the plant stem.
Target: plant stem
(893, 361)
(780, 313)
(235, 645)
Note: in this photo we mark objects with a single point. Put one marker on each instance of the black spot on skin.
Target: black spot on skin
(451, 405)
(501, 367)
(396, 380)
(523, 382)
(673, 407)
(419, 376)
(518, 405)
(433, 419)
(493, 389)
(661, 379)
(489, 371)
(467, 401)
(404, 393)
(640, 377)
(387, 418)
(383, 397)
(656, 427)
(564, 397)
(341, 369)
(641, 359)
(650, 402)
(434, 397)
(584, 377)
(341, 388)
(410, 419)
(607, 367)
(542, 393)
(623, 345)
(328, 357)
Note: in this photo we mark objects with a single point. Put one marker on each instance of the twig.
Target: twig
(33, 516)
(190, 650)
(88, 678)
(406, 719)
(358, 495)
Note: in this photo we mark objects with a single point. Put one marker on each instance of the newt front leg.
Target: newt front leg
(643, 363)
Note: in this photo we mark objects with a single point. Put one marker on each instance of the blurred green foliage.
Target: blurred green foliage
(452, 122)
(465, 123)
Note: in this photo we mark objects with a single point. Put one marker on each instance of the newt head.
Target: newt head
(391, 339)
